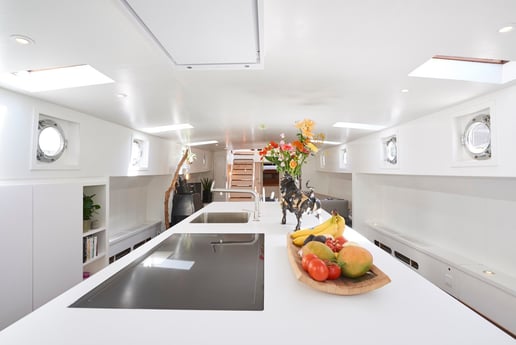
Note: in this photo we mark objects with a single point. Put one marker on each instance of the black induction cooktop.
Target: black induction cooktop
(189, 271)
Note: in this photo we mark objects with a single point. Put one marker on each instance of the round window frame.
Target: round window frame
(391, 141)
(41, 155)
(136, 157)
(484, 119)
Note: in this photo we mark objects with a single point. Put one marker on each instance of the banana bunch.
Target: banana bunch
(333, 226)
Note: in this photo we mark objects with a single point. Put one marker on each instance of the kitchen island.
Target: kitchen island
(409, 310)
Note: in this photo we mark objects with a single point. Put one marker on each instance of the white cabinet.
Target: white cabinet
(15, 253)
(41, 254)
(57, 224)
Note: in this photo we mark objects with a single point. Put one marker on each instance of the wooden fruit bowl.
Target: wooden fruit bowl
(372, 280)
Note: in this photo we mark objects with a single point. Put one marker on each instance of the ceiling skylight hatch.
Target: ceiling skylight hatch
(470, 59)
(225, 34)
(482, 70)
(54, 78)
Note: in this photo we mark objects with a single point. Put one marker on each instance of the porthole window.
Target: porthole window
(51, 141)
(139, 154)
(136, 152)
(343, 157)
(391, 150)
(344, 154)
(477, 137)
(322, 160)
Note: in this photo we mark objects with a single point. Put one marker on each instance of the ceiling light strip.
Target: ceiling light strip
(199, 143)
(355, 125)
(168, 128)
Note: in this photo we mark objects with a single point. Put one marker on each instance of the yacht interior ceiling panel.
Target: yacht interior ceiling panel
(329, 60)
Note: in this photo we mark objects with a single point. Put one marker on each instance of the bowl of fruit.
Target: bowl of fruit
(322, 258)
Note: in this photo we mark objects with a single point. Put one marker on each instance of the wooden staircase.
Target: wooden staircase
(242, 176)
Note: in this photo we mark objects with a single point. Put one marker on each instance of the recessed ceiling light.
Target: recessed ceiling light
(121, 95)
(354, 125)
(488, 272)
(55, 78)
(404, 90)
(199, 143)
(169, 128)
(21, 39)
(507, 28)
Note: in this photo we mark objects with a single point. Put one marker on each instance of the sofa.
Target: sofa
(340, 205)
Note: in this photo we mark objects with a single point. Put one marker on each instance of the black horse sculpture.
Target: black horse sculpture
(297, 201)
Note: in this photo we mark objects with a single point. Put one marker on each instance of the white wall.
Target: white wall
(219, 173)
(427, 146)
(104, 146)
(472, 217)
(337, 185)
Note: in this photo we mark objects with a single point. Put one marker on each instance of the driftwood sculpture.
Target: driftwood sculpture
(173, 187)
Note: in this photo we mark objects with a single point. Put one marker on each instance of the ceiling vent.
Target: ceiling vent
(197, 34)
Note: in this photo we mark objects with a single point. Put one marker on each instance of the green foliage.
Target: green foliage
(88, 206)
(206, 183)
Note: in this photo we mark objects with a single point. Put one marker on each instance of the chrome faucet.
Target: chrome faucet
(256, 213)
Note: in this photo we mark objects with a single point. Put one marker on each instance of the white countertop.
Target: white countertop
(409, 310)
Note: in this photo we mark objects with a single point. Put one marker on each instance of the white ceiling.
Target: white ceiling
(329, 60)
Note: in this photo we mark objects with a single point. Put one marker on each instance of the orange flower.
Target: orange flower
(306, 126)
(298, 145)
(292, 164)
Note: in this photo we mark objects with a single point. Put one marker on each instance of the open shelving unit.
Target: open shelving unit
(94, 241)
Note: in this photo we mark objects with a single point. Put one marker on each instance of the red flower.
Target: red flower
(286, 147)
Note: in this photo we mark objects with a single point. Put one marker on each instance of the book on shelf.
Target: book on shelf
(90, 247)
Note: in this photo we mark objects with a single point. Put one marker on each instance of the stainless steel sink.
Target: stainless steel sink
(222, 217)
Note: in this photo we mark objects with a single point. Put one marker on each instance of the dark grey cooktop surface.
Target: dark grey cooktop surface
(189, 271)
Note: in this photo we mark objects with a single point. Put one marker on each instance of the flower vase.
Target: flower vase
(86, 225)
